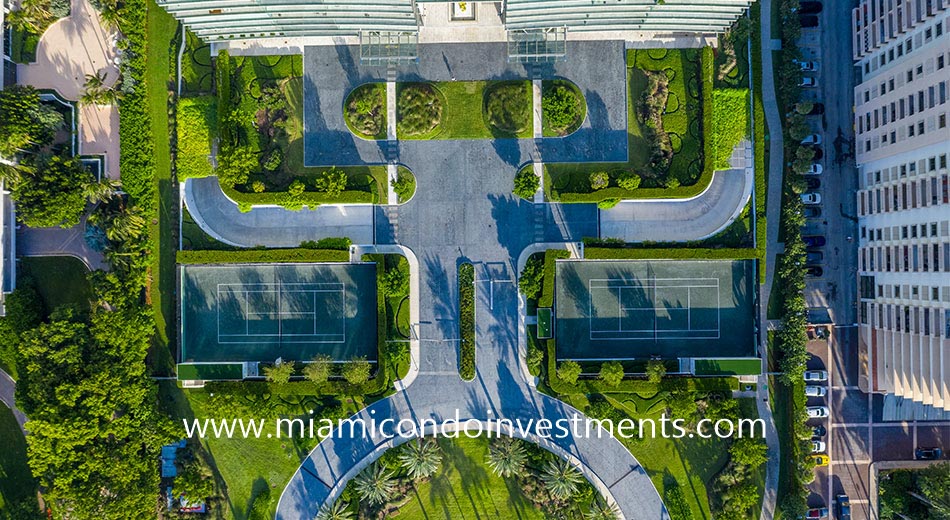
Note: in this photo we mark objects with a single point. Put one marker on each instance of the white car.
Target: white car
(811, 140)
(808, 66)
(808, 81)
(811, 198)
(817, 446)
(815, 376)
(815, 391)
(815, 169)
(816, 412)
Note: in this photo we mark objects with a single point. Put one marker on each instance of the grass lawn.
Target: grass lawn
(16, 480)
(160, 54)
(193, 237)
(466, 488)
(463, 115)
(196, 71)
(60, 280)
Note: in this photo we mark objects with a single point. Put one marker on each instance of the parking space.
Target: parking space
(893, 443)
(933, 436)
(850, 444)
(850, 406)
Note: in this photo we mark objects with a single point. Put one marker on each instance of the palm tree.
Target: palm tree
(102, 191)
(30, 17)
(561, 479)
(421, 458)
(335, 511)
(126, 225)
(375, 484)
(600, 510)
(96, 92)
(507, 457)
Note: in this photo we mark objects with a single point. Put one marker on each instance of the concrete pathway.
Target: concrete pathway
(681, 220)
(57, 241)
(536, 108)
(69, 49)
(7, 395)
(773, 214)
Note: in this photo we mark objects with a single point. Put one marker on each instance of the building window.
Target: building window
(910, 131)
(939, 62)
(920, 128)
(942, 121)
(910, 76)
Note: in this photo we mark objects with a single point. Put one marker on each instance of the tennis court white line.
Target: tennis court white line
(279, 290)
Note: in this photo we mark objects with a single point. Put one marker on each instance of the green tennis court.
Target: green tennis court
(259, 312)
(634, 309)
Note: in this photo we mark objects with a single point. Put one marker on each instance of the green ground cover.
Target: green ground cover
(730, 122)
(716, 367)
(197, 73)
(17, 486)
(466, 488)
(60, 280)
(507, 106)
(466, 277)
(365, 111)
(405, 185)
(682, 119)
(462, 109)
(196, 124)
(563, 108)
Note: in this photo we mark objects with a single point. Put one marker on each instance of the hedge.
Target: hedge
(310, 199)
(467, 321)
(223, 81)
(262, 256)
(759, 130)
(631, 253)
(551, 256)
(196, 118)
(730, 123)
(382, 326)
(136, 155)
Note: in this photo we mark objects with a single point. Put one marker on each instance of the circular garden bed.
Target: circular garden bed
(507, 108)
(365, 111)
(563, 108)
(419, 108)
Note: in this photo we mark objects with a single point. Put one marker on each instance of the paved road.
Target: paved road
(57, 241)
(7, 396)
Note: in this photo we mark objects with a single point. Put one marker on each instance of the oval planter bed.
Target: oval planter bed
(365, 111)
(563, 108)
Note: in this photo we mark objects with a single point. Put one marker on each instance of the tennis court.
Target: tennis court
(259, 312)
(634, 309)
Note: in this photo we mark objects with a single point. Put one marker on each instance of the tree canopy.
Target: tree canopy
(52, 194)
(25, 122)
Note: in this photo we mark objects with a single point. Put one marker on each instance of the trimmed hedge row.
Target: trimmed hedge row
(629, 253)
(467, 321)
(136, 154)
(382, 325)
(551, 256)
(759, 129)
(262, 256)
(310, 199)
(196, 118)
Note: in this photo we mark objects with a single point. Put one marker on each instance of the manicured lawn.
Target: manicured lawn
(466, 488)
(196, 71)
(60, 280)
(16, 480)
(160, 53)
(463, 113)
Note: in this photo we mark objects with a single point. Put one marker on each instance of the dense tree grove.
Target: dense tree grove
(51, 194)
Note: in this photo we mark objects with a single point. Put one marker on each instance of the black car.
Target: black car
(843, 507)
(819, 153)
(812, 183)
(928, 453)
(814, 270)
(808, 21)
(809, 7)
(813, 240)
(812, 212)
(816, 109)
(818, 431)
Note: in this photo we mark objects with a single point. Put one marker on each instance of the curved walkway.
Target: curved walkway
(683, 220)
(8, 397)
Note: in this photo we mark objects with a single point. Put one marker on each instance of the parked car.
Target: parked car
(815, 169)
(815, 391)
(808, 81)
(812, 183)
(813, 240)
(820, 459)
(816, 376)
(815, 271)
(814, 257)
(818, 446)
(811, 198)
(808, 21)
(812, 212)
(808, 66)
(816, 109)
(819, 153)
(928, 453)
(819, 431)
(817, 512)
(843, 507)
(813, 139)
(817, 412)
(807, 7)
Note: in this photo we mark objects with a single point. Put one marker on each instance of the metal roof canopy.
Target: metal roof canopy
(381, 48)
(537, 45)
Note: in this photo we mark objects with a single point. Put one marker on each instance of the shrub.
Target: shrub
(273, 160)
(195, 119)
(599, 180)
(608, 203)
(508, 106)
(262, 256)
(333, 182)
(628, 180)
(336, 243)
(547, 290)
(235, 165)
(296, 188)
(466, 278)
(365, 110)
(526, 183)
(318, 370)
(52, 193)
(569, 371)
(258, 187)
(404, 185)
(356, 371)
(531, 277)
(280, 374)
(656, 369)
(611, 373)
(561, 107)
(419, 109)
(396, 282)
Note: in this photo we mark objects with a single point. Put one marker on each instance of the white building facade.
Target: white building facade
(902, 143)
